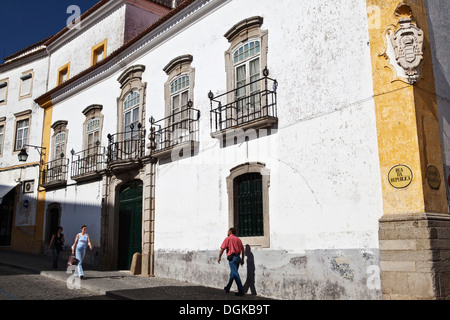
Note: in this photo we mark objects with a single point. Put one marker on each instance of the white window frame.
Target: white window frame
(23, 137)
(131, 107)
(26, 84)
(243, 58)
(2, 136)
(4, 91)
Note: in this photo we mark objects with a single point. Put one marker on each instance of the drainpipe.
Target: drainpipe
(48, 69)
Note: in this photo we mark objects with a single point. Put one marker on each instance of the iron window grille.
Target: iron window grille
(175, 129)
(249, 205)
(88, 161)
(55, 172)
(252, 102)
(128, 145)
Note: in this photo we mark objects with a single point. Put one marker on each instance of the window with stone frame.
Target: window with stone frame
(131, 102)
(26, 84)
(54, 173)
(245, 61)
(86, 163)
(248, 203)
(251, 97)
(59, 140)
(2, 134)
(129, 141)
(178, 95)
(92, 128)
(3, 91)
(22, 130)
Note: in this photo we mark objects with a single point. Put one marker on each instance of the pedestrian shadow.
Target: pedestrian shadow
(250, 281)
(178, 293)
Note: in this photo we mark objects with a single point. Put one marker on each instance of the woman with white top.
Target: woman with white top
(81, 242)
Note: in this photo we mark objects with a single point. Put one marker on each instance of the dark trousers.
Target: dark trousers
(234, 274)
(55, 256)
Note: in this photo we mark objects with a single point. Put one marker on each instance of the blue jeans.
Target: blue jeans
(79, 254)
(55, 256)
(234, 274)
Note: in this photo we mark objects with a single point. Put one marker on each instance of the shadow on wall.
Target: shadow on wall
(250, 281)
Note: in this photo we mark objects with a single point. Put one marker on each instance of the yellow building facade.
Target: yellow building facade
(413, 230)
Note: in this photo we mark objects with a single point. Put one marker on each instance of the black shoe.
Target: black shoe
(81, 277)
(239, 294)
(226, 290)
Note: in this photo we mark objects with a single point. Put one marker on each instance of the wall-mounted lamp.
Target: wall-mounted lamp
(23, 155)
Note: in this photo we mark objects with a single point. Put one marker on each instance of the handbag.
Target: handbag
(72, 261)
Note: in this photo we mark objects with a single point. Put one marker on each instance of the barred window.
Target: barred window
(248, 202)
(249, 205)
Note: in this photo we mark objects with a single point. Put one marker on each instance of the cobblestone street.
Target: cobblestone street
(21, 284)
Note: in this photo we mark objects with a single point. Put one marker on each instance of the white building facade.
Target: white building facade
(228, 113)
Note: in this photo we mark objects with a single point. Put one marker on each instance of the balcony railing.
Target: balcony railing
(129, 145)
(254, 104)
(54, 173)
(87, 163)
(178, 128)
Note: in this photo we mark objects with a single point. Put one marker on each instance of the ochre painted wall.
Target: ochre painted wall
(407, 120)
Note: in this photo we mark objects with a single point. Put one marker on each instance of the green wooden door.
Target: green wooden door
(130, 223)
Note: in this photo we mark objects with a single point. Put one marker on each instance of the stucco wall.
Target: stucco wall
(324, 195)
(111, 28)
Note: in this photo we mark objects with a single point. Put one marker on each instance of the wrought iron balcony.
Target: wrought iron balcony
(178, 129)
(88, 164)
(129, 145)
(253, 105)
(54, 173)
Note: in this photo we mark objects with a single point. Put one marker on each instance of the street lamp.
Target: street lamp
(23, 155)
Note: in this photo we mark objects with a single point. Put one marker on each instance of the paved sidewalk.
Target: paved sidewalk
(120, 284)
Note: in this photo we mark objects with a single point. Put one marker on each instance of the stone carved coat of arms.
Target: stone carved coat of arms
(407, 42)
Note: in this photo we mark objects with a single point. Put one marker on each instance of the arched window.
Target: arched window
(93, 134)
(245, 61)
(247, 66)
(60, 133)
(131, 113)
(178, 125)
(60, 145)
(179, 97)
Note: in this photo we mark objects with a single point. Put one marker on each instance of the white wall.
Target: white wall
(15, 104)
(80, 205)
(78, 50)
(325, 191)
(325, 185)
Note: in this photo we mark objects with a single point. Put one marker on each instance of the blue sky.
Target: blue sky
(25, 22)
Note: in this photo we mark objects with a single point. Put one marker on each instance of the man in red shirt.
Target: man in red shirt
(234, 248)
